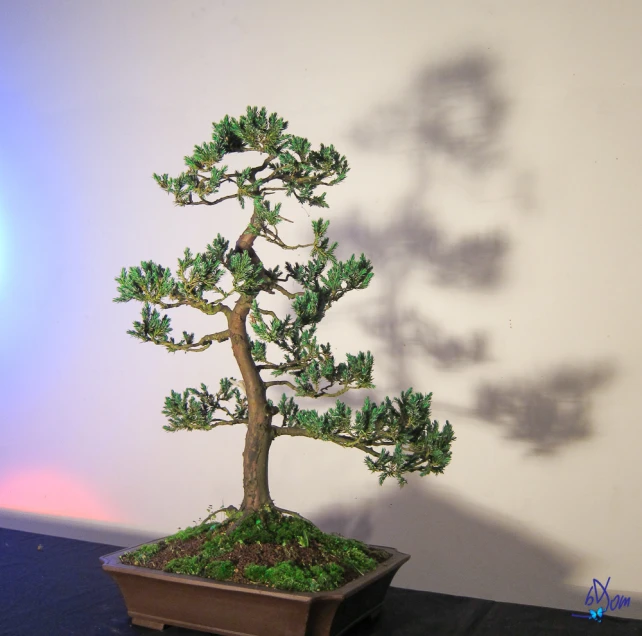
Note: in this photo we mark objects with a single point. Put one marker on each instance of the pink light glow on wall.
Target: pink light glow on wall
(52, 492)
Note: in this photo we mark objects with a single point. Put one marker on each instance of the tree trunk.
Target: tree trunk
(256, 491)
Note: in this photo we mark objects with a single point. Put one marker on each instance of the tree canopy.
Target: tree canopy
(236, 274)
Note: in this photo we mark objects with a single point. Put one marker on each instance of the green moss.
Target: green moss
(287, 576)
(213, 549)
(267, 528)
(219, 570)
(270, 527)
(187, 533)
(142, 555)
(350, 552)
(187, 565)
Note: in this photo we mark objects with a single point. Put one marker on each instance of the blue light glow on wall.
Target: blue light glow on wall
(7, 254)
(7, 248)
(3, 250)
(5, 238)
(35, 216)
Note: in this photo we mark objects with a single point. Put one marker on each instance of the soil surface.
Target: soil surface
(260, 554)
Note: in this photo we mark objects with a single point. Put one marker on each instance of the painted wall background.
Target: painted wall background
(495, 154)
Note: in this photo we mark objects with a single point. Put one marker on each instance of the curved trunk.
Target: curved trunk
(258, 438)
(259, 433)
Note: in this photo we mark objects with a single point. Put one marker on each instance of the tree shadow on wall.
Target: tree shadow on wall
(475, 555)
(455, 112)
(453, 109)
(547, 413)
(462, 551)
(414, 243)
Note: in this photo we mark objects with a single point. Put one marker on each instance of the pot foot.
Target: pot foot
(150, 623)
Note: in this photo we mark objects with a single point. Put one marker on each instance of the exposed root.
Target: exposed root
(235, 516)
(228, 510)
(236, 519)
(292, 514)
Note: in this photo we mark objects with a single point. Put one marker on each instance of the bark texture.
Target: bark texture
(259, 429)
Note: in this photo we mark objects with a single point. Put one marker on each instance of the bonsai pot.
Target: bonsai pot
(155, 598)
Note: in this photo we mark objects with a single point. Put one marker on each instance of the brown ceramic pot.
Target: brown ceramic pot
(155, 598)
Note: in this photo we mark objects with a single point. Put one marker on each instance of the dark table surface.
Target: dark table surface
(61, 590)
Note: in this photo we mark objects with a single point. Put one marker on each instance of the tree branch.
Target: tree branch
(227, 422)
(268, 312)
(283, 365)
(280, 383)
(285, 292)
(263, 166)
(206, 202)
(204, 343)
(346, 442)
(211, 309)
(273, 237)
(323, 393)
(189, 288)
(207, 177)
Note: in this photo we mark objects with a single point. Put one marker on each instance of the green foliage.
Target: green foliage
(322, 251)
(356, 373)
(248, 277)
(331, 423)
(152, 328)
(420, 445)
(308, 362)
(304, 358)
(202, 273)
(150, 282)
(188, 414)
(290, 164)
(302, 174)
(288, 409)
(265, 215)
(322, 291)
(197, 274)
(290, 159)
(259, 350)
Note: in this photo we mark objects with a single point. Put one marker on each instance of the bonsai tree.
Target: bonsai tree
(397, 436)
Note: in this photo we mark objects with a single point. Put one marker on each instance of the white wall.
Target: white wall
(494, 148)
